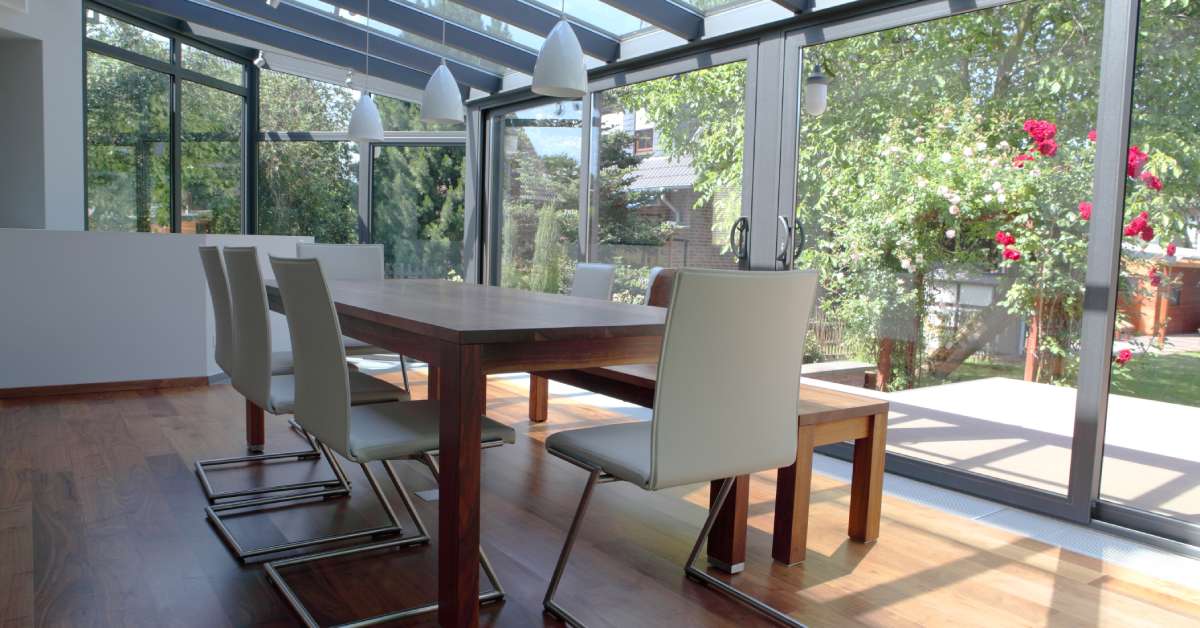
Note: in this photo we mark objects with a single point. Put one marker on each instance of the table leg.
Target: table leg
(539, 398)
(866, 486)
(433, 382)
(793, 489)
(256, 429)
(727, 539)
(462, 404)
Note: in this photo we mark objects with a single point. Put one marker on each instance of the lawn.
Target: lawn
(1173, 377)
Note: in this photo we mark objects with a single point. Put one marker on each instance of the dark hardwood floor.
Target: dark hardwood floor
(102, 524)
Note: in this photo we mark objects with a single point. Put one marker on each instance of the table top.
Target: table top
(467, 313)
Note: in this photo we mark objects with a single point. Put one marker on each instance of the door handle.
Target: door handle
(782, 255)
(739, 235)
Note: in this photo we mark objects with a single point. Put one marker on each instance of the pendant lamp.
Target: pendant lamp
(441, 101)
(365, 123)
(559, 70)
(816, 92)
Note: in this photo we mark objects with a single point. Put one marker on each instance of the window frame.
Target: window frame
(177, 74)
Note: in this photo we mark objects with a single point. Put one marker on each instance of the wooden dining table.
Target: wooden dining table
(465, 332)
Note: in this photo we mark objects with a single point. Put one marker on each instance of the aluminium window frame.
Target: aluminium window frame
(177, 74)
(778, 112)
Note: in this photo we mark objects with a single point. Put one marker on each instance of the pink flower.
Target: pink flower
(1092, 135)
(1040, 130)
(1085, 210)
(1005, 238)
(1011, 254)
(1019, 160)
(1135, 161)
(1151, 181)
(1155, 278)
(1123, 356)
(1171, 249)
(1047, 147)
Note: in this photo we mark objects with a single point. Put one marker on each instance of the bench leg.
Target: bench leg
(866, 487)
(727, 539)
(539, 398)
(793, 489)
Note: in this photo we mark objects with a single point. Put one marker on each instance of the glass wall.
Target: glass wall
(536, 236)
(1150, 460)
(307, 185)
(137, 80)
(942, 196)
(128, 146)
(669, 174)
(417, 209)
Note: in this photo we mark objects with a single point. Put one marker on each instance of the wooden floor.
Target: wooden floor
(101, 523)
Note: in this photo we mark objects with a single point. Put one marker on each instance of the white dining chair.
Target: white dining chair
(405, 430)
(352, 262)
(726, 331)
(276, 395)
(593, 281)
(281, 364)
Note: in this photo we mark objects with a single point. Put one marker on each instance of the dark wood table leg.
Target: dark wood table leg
(866, 486)
(462, 404)
(793, 489)
(256, 429)
(432, 382)
(539, 398)
(727, 540)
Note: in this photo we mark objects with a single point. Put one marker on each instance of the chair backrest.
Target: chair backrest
(729, 374)
(593, 281)
(659, 293)
(218, 290)
(650, 282)
(251, 325)
(319, 357)
(345, 261)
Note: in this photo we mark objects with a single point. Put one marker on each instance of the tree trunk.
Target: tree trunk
(883, 364)
(1031, 344)
(973, 336)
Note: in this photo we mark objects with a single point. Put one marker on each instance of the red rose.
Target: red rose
(1040, 130)
(1147, 233)
(1005, 238)
(1092, 135)
(1135, 161)
(1151, 181)
(1155, 278)
(1171, 249)
(1085, 210)
(1047, 147)
(1138, 225)
(1124, 355)
(1011, 253)
(1019, 160)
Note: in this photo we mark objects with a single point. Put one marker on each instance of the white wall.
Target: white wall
(88, 307)
(55, 26)
(22, 178)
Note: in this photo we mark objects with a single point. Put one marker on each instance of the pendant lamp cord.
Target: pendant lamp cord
(367, 82)
(445, 16)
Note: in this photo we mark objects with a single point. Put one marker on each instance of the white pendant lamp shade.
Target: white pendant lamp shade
(441, 101)
(559, 70)
(365, 123)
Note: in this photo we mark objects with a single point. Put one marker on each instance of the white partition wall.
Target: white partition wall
(82, 308)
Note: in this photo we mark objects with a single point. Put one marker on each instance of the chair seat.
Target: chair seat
(621, 450)
(363, 389)
(281, 363)
(392, 431)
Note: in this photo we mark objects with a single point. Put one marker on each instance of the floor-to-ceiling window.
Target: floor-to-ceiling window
(667, 183)
(307, 168)
(417, 209)
(536, 220)
(942, 191)
(1151, 463)
(165, 131)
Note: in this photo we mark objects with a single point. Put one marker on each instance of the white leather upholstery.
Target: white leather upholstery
(728, 383)
(251, 325)
(654, 271)
(364, 389)
(218, 290)
(593, 281)
(362, 433)
(345, 261)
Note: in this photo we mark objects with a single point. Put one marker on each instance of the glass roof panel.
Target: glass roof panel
(473, 19)
(712, 6)
(598, 15)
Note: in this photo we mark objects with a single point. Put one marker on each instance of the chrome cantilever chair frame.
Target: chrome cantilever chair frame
(428, 459)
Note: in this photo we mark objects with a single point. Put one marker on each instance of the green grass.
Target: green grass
(1173, 378)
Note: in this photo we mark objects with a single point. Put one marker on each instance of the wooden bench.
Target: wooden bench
(825, 416)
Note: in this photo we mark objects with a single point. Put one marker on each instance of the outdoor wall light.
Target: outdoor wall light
(260, 62)
(560, 70)
(274, 4)
(816, 92)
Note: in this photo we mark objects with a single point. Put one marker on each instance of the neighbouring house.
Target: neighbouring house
(1172, 307)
